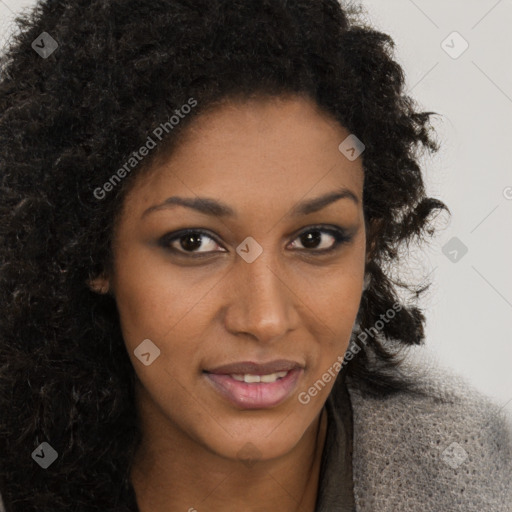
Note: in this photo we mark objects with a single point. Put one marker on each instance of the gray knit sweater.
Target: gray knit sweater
(443, 448)
(447, 448)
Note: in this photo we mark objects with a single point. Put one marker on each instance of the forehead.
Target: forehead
(266, 152)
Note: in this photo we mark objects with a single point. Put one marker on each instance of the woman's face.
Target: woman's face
(260, 279)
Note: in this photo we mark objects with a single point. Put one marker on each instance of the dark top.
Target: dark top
(335, 490)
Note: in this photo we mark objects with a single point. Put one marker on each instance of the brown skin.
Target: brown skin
(261, 158)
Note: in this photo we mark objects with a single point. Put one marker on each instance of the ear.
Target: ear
(100, 284)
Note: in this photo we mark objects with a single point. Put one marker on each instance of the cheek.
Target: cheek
(334, 295)
(337, 310)
(150, 299)
(338, 307)
(335, 305)
(340, 296)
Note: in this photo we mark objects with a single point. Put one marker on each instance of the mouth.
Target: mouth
(249, 385)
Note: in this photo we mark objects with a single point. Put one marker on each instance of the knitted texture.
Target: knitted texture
(444, 447)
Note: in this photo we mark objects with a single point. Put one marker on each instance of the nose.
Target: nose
(263, 304)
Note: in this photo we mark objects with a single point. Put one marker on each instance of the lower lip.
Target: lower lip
(257, 395)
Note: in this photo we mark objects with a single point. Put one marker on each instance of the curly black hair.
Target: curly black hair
(68, 120)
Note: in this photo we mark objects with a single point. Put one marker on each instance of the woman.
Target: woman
(201, 204)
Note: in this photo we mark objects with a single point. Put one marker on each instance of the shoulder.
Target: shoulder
(442, 445)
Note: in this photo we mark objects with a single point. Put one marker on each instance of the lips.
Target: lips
(248, 367)
(239, 385)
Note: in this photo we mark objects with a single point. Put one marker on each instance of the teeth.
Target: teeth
(271, 377)
(251, 378)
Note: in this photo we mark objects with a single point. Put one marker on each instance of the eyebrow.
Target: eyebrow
(215, 208)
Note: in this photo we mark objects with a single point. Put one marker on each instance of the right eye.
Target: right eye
(188, 241)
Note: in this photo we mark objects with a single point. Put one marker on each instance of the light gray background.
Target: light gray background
(469, 306)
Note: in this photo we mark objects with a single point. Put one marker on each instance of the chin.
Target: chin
(261, 441)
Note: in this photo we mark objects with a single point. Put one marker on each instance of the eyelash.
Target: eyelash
(340, 237)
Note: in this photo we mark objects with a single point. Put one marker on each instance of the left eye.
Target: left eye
(312, 238)
(188, 241)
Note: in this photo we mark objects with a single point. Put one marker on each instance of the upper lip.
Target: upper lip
(252, 368)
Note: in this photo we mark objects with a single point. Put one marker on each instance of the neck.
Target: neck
(175, 474)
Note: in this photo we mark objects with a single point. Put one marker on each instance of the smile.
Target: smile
(250, 391)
